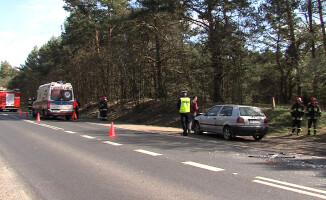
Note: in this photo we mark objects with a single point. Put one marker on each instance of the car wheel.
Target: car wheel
(197, 129)
(68, 117)
(227, 133)
(258, 137)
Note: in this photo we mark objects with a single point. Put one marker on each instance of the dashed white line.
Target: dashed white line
(148, 152)
(88, 137)
(98, 124)
(71, 132)
(291, 187)
(112, 143)
(203, 166)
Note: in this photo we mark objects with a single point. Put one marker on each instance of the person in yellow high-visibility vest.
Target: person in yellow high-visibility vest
(183, 106)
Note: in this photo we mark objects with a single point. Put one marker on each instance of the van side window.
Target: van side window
(226, 111)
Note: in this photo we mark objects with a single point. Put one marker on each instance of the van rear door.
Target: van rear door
(61, 101)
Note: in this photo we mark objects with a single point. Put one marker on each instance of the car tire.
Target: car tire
(258, 137)
(197, 129)
(68, 117)
(227, 133)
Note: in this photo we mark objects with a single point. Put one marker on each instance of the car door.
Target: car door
(210, 120)
(223, 118)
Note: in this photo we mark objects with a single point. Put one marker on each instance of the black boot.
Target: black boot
(298, 132)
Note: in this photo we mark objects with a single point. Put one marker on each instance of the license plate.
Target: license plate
(254, 121)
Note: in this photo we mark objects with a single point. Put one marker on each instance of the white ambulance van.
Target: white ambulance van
(54, 99)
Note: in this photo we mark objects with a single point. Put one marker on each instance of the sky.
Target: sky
(25, 24)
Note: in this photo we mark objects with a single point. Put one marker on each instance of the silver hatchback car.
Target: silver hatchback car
(232, 120)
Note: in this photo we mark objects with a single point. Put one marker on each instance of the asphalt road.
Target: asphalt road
(57, 159)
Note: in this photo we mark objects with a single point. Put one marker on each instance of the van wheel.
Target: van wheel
(44, 116)
(227, 133)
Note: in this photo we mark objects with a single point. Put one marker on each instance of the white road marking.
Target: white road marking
(291, 187)
(44, 125)
(52, 127)
(211, 168)
(88, 137)
(148, 152)
(99, 124)
(71, 132)
(112, 143)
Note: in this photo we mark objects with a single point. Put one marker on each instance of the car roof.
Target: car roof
(233, 105)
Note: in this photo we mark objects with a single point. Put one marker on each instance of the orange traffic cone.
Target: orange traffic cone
(38, 117)
(112, 133)
(26, 115)
(20, 112)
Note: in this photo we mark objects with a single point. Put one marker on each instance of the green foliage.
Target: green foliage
(7, 72)
(242, 52)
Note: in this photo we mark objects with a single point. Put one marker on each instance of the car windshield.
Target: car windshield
(251, 111)
(61, 95)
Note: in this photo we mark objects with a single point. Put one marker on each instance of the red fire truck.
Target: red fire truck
(10, 100)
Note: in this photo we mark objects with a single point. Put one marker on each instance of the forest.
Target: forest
(223, 51)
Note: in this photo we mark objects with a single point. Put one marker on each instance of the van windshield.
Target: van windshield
(61, 95)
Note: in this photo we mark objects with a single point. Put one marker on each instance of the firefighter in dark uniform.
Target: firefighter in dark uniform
(183, 106)
(30, 104)
(103, 108)
(313, 112)
(297, 112)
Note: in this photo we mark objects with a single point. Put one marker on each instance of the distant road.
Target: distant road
(57, 159)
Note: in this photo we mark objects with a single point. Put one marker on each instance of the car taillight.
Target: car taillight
(48, 104)
(240, 120)
(266, 120)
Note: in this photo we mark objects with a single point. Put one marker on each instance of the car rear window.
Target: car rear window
(251, 111)
(61, 95)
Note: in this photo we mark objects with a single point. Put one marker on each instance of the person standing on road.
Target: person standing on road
(193, 111)
(313, 112)
(76, 106)
(103, 108)
(297, 112)
(30, 104)
(183, 106)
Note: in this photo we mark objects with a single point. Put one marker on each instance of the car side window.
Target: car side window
(226, 111)
(214, 111)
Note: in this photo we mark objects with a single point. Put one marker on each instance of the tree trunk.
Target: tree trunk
(320, 9)
(311, 30)
(293, 48)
